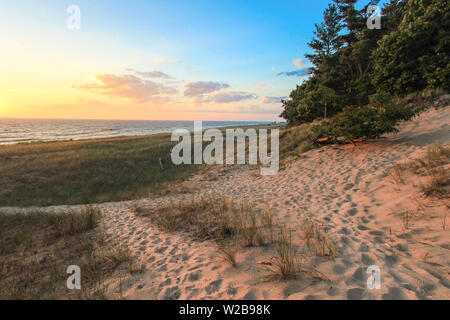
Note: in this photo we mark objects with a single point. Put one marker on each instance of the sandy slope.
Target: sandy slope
(347, 190)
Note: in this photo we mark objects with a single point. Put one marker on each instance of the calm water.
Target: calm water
(27, 130)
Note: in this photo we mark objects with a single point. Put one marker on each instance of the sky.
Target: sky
(153, 60)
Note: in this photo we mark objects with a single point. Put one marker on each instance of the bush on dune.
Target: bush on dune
(382, 115)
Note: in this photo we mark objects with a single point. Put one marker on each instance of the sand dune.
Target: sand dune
(347, 190)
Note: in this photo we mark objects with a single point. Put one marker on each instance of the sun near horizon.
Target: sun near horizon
(149, 62)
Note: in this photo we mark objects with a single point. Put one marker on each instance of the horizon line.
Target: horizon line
(116, 119)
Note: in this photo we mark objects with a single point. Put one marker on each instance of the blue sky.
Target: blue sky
(242, 45)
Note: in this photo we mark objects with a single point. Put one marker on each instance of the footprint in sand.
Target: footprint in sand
(194, 276)
(355, 294)
(339, 269)
(352, 211)
(214, 286)
(172, 293)
(395, 293)
(161, 250)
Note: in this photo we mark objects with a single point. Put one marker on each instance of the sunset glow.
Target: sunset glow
(144, 61)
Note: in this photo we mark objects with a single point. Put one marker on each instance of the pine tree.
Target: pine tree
(327, 39)
(415, 56)
(353, 19)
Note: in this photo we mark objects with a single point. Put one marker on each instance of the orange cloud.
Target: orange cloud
(126, 86)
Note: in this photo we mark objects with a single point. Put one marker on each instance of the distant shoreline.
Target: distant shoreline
(7, 139)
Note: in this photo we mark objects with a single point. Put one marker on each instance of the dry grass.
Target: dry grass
(397, 173)
(286, 264)
(433, 166)
(88, 171)
(294, 141)
(444, 222)
(432, 172)
(37, 247)
(214, 218)
(317, 240)
(251, 226)
(136, 208)
(74, 222)
(437, 185)
(228, 252)
(407, 216)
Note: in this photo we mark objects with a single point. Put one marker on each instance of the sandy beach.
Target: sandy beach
(347, 190)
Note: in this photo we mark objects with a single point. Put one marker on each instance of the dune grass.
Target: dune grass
(317, 240)
(85, 172)
(37, 247)
(294, 141)
(215, 218)
(286, 264)
(433, 166)
(92, 171)
(228, 252)
(238, 225)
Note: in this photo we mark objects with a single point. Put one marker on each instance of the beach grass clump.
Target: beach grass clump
(251, 225)
(437, 184)
(73, 221)
(136, 207)
(286, 263)
(228, 252)
(435, 156)
(433, 166)
(215, 218)
(397, 173)
(317, 240)
(36, 247)
(406, 217)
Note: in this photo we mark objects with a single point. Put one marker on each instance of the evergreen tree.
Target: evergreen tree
(327, 39)
(353, 20)
(415, 56)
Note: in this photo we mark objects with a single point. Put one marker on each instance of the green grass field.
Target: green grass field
(89, 171)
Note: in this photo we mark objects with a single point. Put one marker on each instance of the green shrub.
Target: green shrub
(382, 115)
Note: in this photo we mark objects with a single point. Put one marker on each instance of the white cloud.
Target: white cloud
(226, 97)
(193, 89)
(151, 74)
(267, 99)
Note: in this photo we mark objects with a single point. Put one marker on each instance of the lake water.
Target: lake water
(28, 130)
